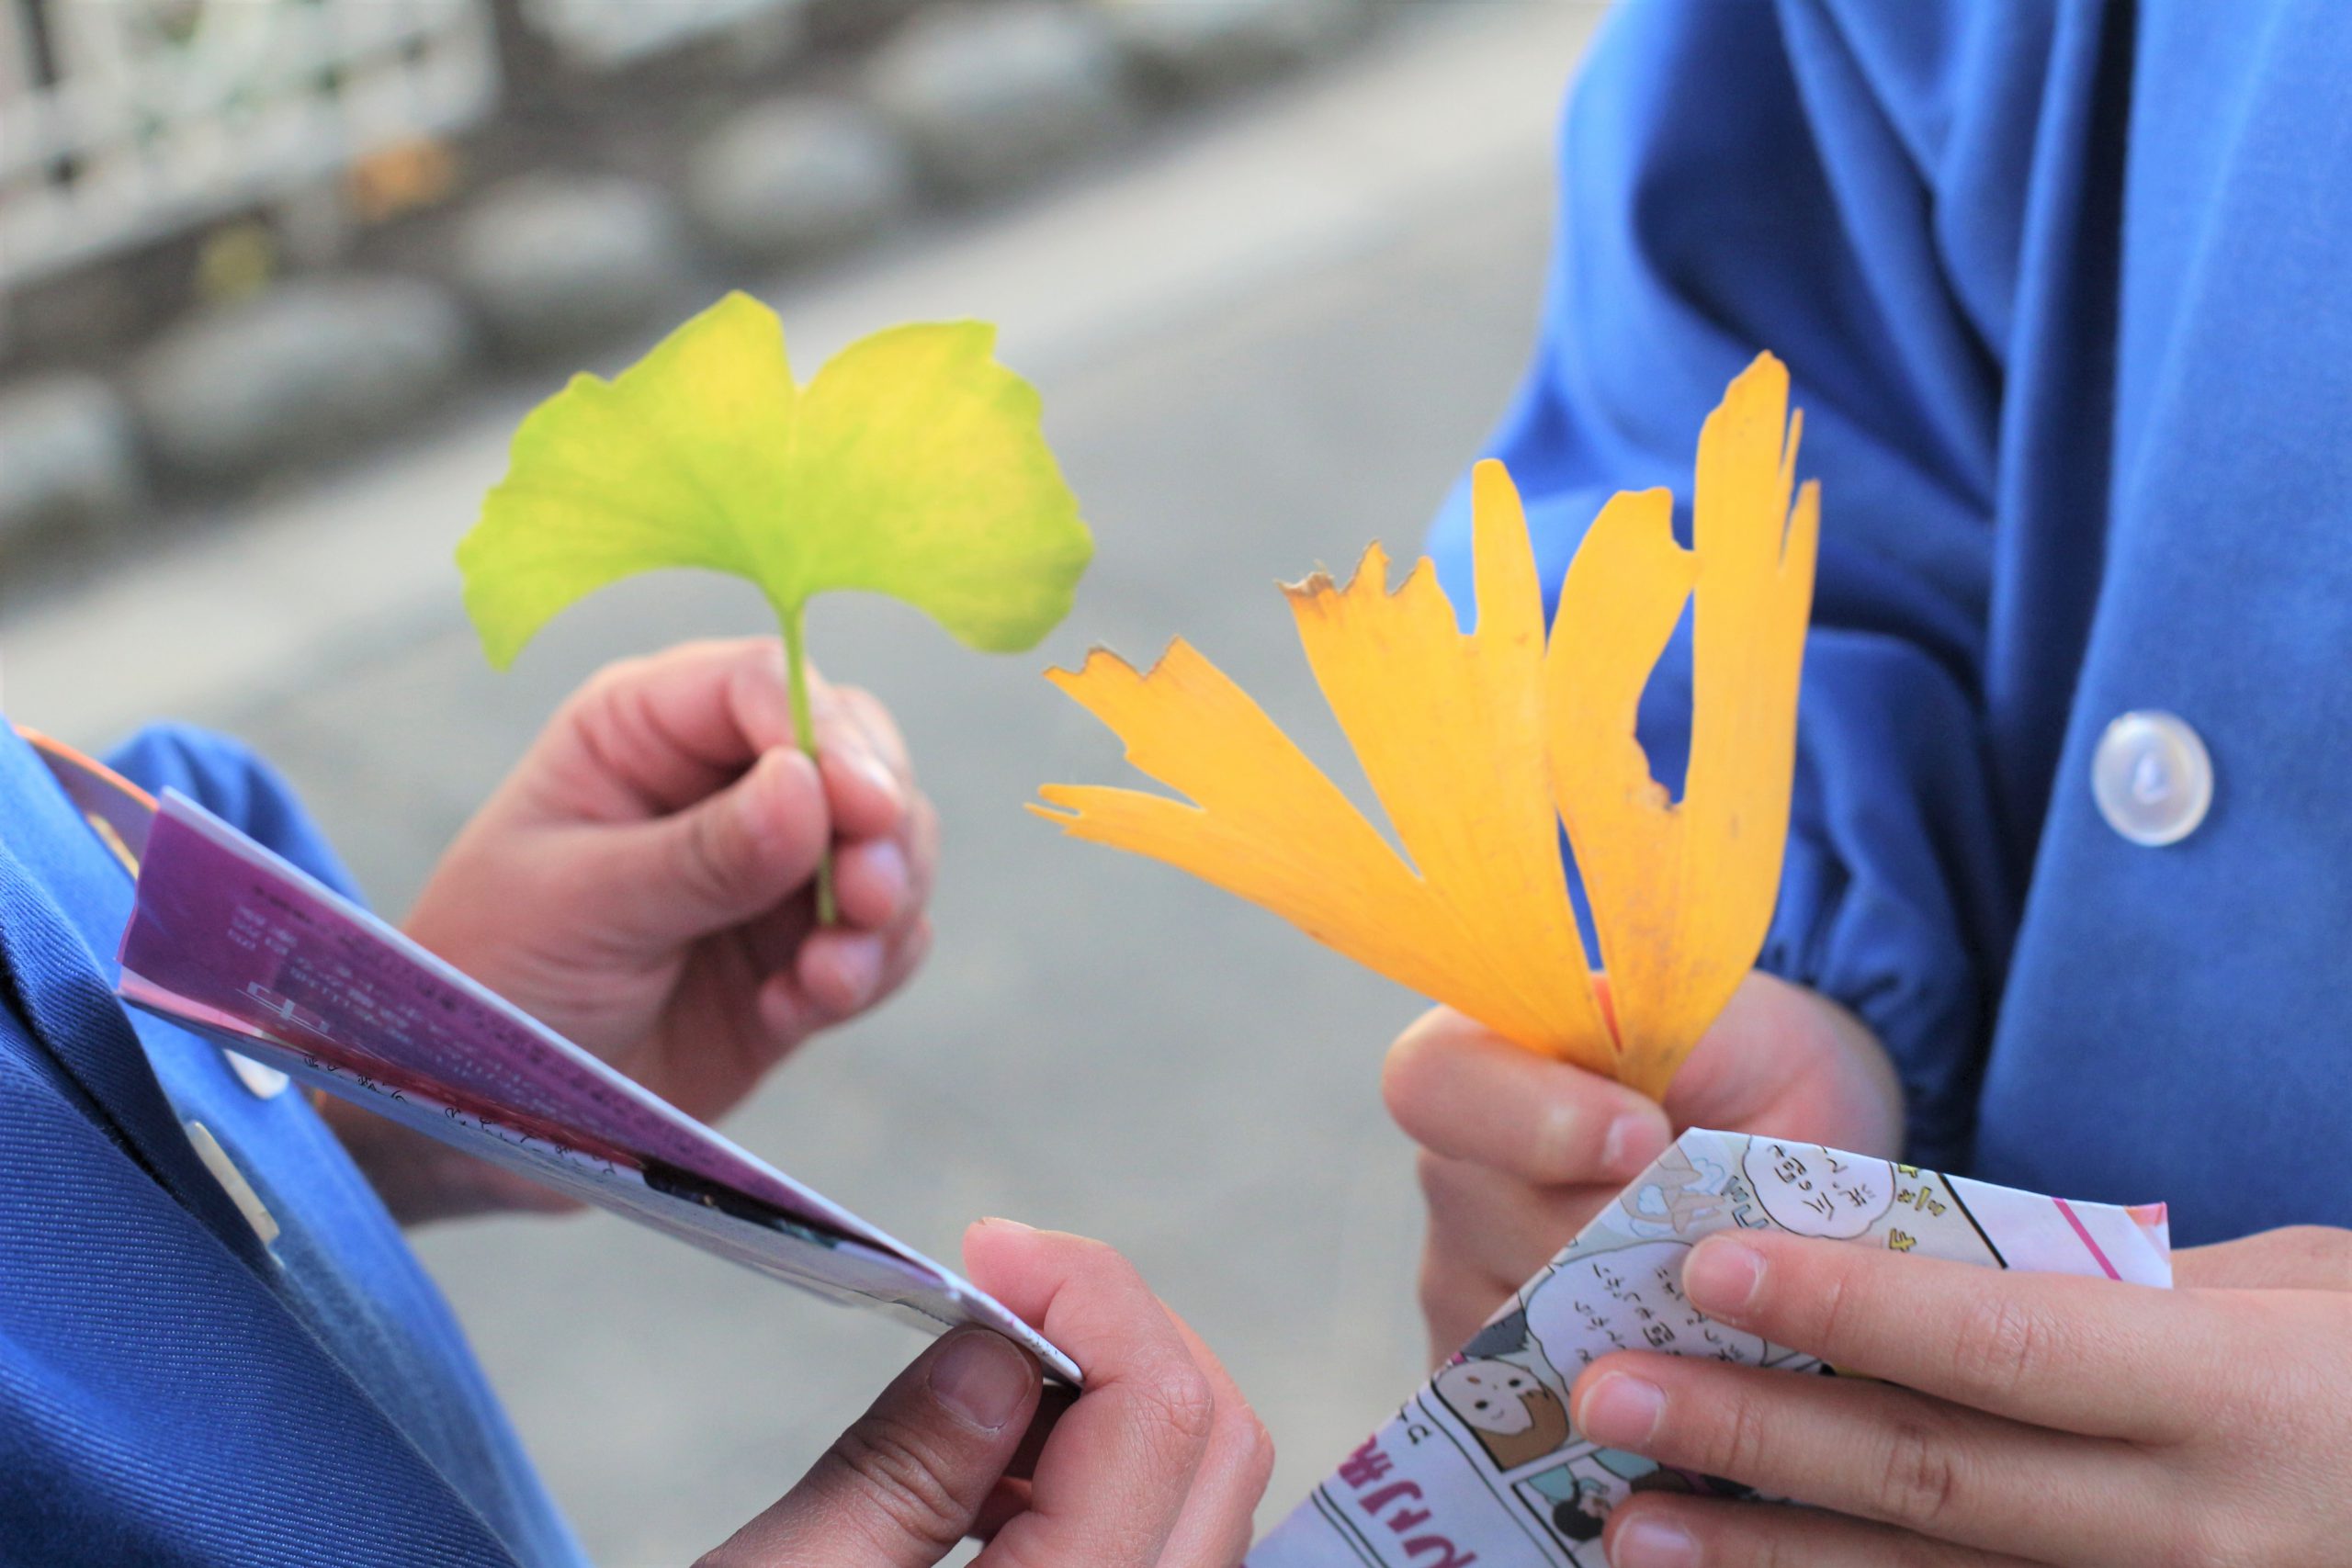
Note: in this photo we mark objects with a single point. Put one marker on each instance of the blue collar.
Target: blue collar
(64, 901)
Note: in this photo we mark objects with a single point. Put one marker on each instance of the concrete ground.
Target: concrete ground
(1263, 341)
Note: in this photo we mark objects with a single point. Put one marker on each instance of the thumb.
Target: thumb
(1791, 1062)
(904, 1484)
(1465, 1093)
(716, 863)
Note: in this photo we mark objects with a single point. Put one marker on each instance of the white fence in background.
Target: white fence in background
(604, 33)
(125, 120)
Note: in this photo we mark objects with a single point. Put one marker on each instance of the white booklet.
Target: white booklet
(1480, 1465)
(231, 940)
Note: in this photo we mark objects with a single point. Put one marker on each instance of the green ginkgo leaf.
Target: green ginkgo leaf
(912, 464)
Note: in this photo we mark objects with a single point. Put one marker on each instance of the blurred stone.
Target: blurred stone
(81, 316)
(854, 24)
(794, 178)
(1208, 46)
(69, 457)
(992, 97)
(556, 261)
(767, 39)
(314, 363)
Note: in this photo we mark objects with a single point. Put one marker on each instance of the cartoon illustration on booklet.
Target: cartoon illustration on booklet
(1481, 1466)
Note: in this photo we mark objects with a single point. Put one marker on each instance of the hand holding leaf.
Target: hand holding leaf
(912, 466)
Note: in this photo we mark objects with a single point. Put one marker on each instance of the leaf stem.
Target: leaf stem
(804, 727)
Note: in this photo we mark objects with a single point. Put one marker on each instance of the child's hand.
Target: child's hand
(642, 881)
(1518, 1151)
(1159, 1464)
(2037, 1419)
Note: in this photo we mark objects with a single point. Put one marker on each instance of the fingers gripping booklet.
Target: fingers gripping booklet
(1480, 1467)
(230, 940)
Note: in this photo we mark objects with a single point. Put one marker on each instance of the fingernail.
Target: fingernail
(980, 1377)
(858, 961)
(768, 774)
(875, 772)
(1631, 1142)
(1621, 1411)
(1653, 1543)
(1722, 1276)
(1009, 1224)
(887, 863)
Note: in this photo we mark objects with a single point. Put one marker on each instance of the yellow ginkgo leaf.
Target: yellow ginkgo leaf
(1480, 745)
(1485, 925)
(1682, 894)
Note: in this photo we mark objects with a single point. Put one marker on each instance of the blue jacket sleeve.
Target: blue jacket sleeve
(1746, 176)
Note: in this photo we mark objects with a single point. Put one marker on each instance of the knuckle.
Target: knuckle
(1919, 1481)
(605, 702)
(1179, 1403)
(617, 676)
(615, 713)
(1832, 1303)
(897, 1483)
(1997, 1347)
(716, 866)
(1242, 1451)
(1734, 1441)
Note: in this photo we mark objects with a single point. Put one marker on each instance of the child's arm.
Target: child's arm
(642, 883)
(2024, 1417)
(1518, 1151)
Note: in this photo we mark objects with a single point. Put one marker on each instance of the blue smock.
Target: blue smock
(2066, 293)
(172, 1390)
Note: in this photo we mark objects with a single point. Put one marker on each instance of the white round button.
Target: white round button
(2152, 778)
(263, 1082)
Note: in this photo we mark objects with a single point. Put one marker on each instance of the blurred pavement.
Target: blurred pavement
(1270, 337)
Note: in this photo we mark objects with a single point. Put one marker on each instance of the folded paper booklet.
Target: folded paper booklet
(1480, 1466)
(227, 939)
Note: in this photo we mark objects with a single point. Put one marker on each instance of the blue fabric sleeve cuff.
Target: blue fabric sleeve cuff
(225, 777)
(1891, 897)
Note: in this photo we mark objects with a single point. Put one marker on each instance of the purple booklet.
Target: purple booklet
(227, 939)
